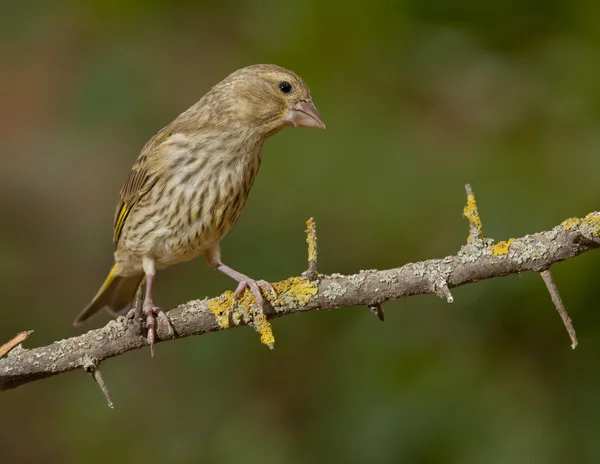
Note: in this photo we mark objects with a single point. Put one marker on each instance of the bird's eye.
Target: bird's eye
(285, 87)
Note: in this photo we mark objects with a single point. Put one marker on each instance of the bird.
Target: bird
(190, 183)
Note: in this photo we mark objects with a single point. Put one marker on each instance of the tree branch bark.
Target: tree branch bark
(479, 259)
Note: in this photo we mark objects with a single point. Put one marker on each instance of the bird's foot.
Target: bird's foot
(254, 286)
(255, 318)
(152, 312)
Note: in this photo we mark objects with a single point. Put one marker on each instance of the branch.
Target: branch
(479, 259)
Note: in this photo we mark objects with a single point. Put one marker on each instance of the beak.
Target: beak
(304, 114)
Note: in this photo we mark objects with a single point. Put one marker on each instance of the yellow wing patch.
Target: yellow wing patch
(165, 137)
(120, 222)
(139, 182)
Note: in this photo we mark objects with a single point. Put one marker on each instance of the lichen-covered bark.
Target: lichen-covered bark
(479, 259)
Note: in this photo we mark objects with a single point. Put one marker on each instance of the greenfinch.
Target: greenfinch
(190, 183)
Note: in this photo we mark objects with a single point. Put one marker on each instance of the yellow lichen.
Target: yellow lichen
(220, 307)
(593, 221)
(311, 239)
(501, 248)
(263, 327)
(293, 292)
(472, 215)
(568, 224)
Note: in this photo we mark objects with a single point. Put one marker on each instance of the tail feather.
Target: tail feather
(116, 295)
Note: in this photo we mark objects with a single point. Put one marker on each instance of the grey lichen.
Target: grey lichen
(334, 290)
(115, 329)
(16, 351)
(88, 363)
(475, 250)
(419, 269)
(368, 271)
(438, 272)
(590, 227)
(243, 315)
(553, 233)
(357, 279)
(196, 306)
(388, 277)
(529, 248)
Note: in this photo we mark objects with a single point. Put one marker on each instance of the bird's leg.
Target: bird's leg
(213, 257)
(245, 282)
(151, 312)
(135, 313)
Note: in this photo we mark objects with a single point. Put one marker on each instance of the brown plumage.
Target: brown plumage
(191, 180)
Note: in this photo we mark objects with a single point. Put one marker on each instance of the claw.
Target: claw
(150, 323)
(266, 285)
(254, 286)
(244, 281)
(152, 312)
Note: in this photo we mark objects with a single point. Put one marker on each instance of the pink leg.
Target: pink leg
(151, 312)
(214, 260)
(245, 282)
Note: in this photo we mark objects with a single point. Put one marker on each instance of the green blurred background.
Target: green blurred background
(419, 97)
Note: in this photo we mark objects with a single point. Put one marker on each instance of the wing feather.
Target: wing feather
(139, 182)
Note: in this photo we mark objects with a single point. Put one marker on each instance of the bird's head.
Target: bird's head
(268, 98)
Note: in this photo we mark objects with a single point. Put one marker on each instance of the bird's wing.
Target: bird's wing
(141, 179)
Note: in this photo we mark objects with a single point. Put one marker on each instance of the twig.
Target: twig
(472, 214)
(444, 292)
(11, 344)
(311, 240)
(536, 252)
(560, 307)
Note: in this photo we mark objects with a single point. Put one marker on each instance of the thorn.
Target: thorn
(97, 375)
(311, 240)
(560, 307)
(92, 366)
(14, 342)
(444, 292)
(378, 311)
